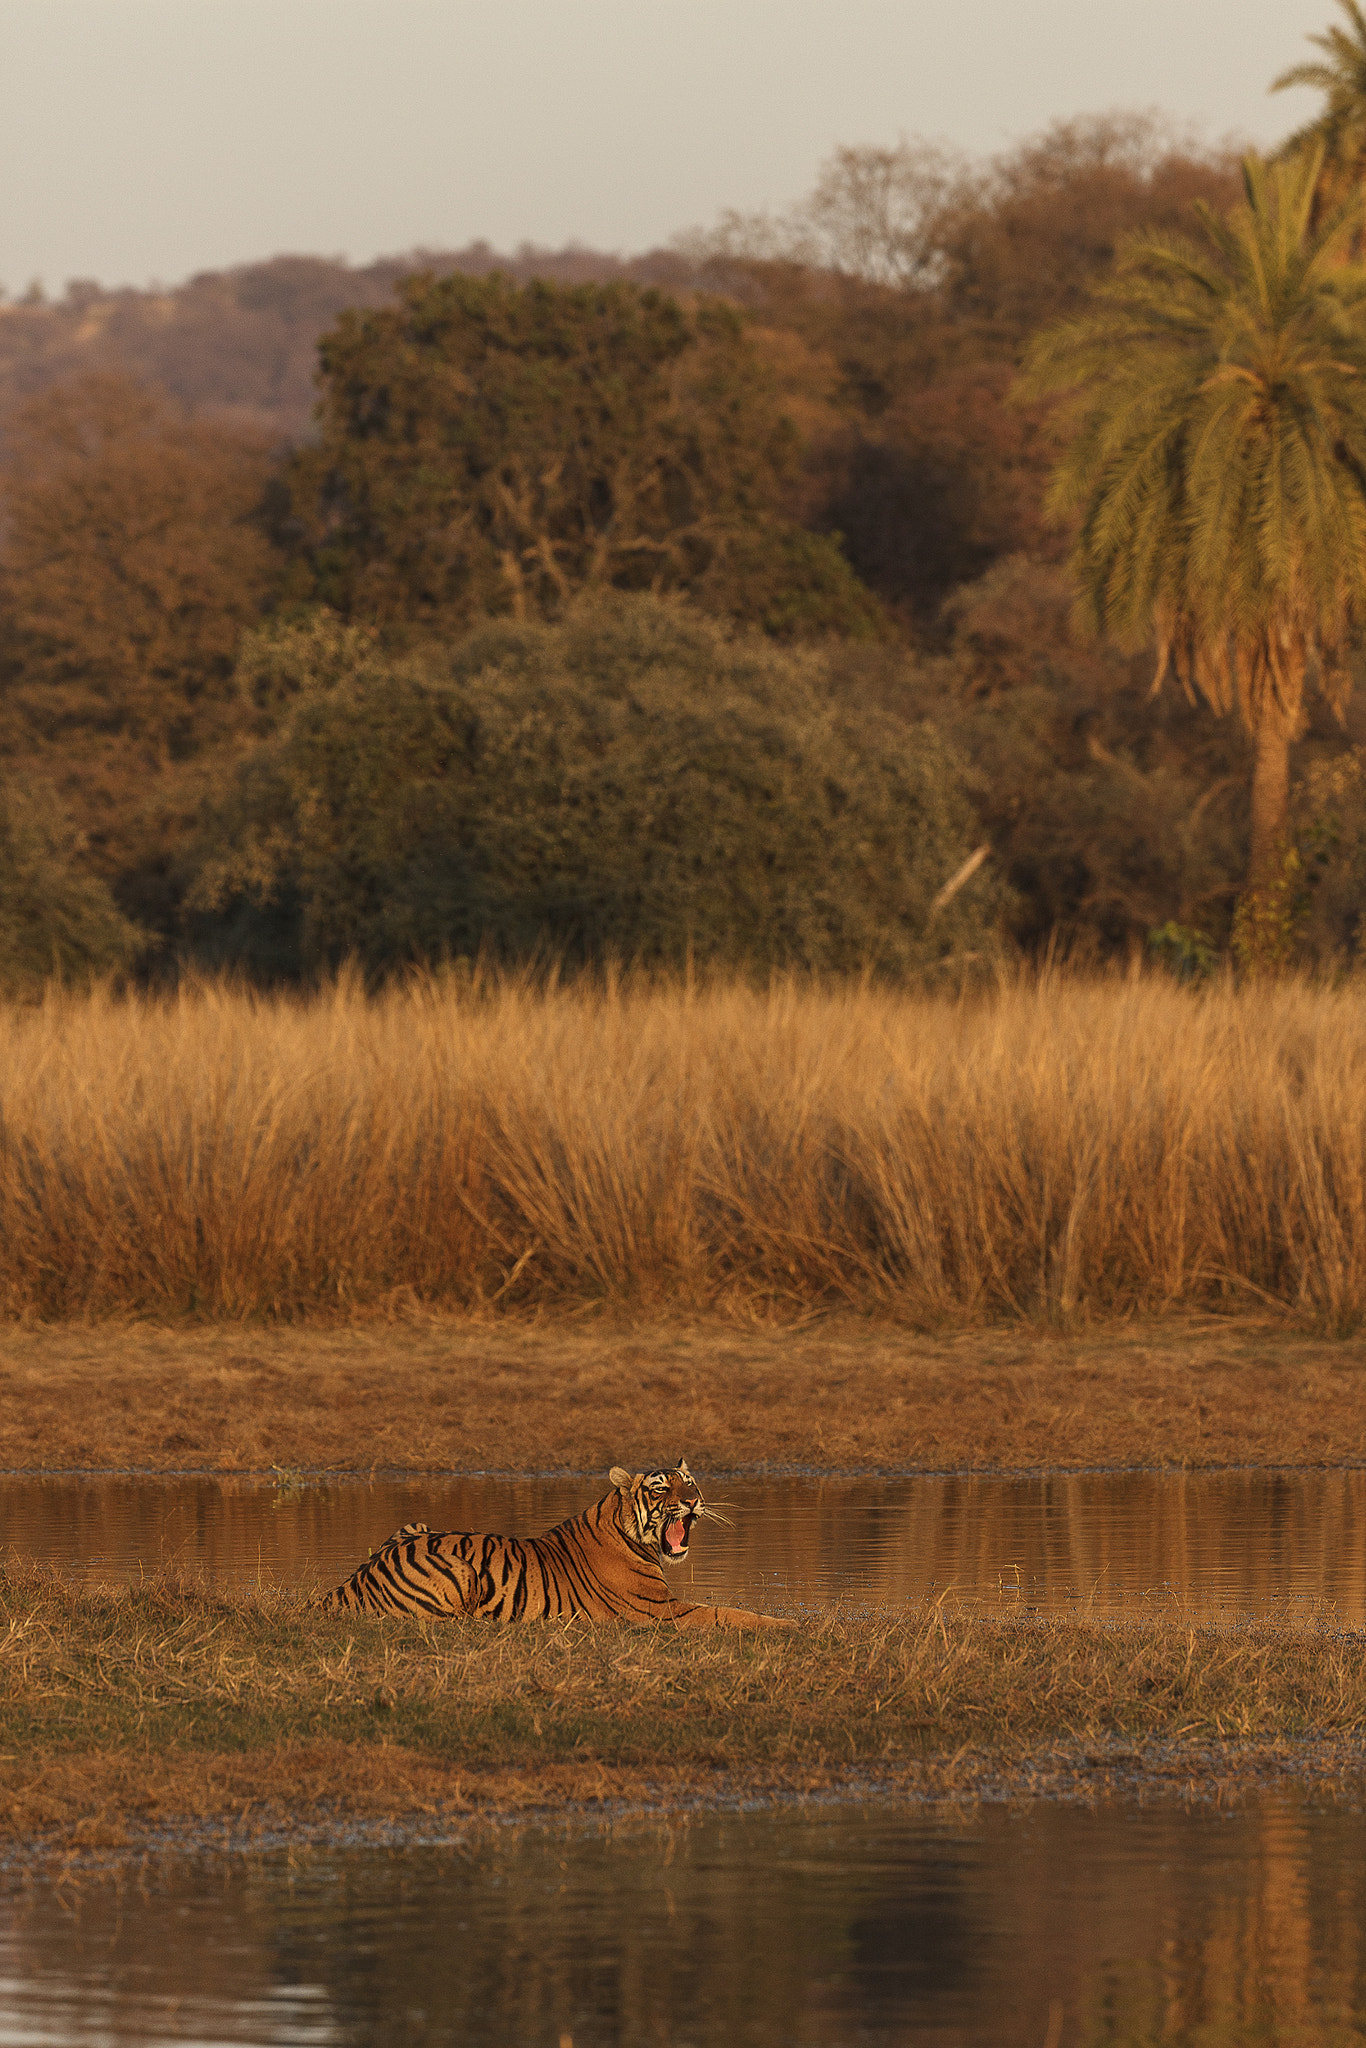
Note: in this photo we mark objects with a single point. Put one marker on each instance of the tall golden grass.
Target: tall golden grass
(1052, 1149)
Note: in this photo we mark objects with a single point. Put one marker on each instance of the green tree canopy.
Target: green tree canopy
(632, 783)
(490, 449)
(1217, 460)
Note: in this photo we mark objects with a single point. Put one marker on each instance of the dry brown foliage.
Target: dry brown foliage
(1051, 1151)
(134, 556)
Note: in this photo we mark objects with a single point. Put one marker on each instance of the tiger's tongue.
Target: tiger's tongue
(674, 1535)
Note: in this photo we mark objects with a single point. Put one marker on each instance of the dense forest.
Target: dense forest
(703, 605)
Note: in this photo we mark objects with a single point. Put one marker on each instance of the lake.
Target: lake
(1281, 1545)
(1045, 1928)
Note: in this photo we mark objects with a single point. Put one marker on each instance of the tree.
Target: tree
(1339, 131)
(133, 557)
(915, 280)
(487, 449)
(1021, 245)
(872, 215)
(952, 481)
(1217, 462)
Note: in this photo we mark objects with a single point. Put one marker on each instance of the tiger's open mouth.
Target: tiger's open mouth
(673, 1537)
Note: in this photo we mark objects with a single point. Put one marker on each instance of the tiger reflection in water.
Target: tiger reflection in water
(605, 1564)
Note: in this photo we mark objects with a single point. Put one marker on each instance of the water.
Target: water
(779, 1930)
(1285, 1546)
(1048, 1926)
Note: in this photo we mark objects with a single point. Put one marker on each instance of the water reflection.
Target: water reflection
(1117, 1926)
(1285, 1545)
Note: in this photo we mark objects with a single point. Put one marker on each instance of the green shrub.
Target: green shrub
(55, 920)
(635, 783)
(1111, 813)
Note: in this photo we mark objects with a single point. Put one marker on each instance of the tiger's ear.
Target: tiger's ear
(682, 1466)
(619, 1477)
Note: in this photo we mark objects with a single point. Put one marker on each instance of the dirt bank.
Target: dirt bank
(841, 1393)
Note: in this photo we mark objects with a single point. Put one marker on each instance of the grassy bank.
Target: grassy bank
(512, 1395)
(1044, 1153)
(118, 1710)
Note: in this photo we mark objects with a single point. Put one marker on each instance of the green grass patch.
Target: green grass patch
(165, 1667)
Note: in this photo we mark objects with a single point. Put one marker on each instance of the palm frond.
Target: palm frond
(1346, 52)
(1215, 396)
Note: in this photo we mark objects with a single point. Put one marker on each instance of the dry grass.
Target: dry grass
(230, 1700)
(523, 1395)
(1048, 1151)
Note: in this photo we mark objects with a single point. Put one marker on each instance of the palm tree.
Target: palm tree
(1218, 462)
(1340, 129)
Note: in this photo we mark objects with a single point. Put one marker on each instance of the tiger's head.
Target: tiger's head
(659, 1508)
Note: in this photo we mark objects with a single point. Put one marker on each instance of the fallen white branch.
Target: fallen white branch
(955, 882)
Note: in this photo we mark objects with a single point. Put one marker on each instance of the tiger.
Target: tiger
(604, 1564)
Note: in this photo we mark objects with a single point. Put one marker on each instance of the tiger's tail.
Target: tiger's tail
(350, 1596)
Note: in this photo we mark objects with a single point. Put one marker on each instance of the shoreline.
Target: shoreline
(1089, 1774)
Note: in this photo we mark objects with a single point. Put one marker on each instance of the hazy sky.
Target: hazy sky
(147, 139)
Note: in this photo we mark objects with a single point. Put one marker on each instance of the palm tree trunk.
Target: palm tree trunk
(1270, 801)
